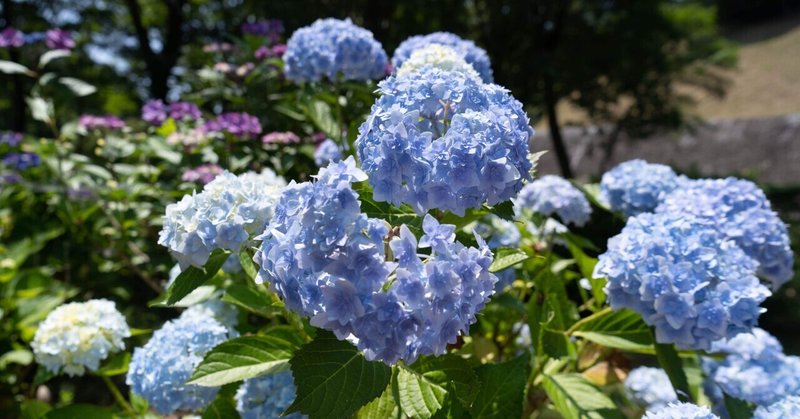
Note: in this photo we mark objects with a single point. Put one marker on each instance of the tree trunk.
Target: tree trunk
(555, 131)
(18, 91)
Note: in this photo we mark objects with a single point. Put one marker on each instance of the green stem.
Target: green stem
(118, 396)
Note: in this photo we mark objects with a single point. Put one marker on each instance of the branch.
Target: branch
(135, 12)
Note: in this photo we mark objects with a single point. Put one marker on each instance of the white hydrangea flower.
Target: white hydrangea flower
(77, 336)
(438, 56)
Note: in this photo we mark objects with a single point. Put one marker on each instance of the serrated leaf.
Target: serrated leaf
(671, 363)
(501, 390)
(79, 87)
(242, 358)
(10, 67)
(576, 398)
(261, 303)
(334, 379)
(51, 55)
(623, 329)
(117, 364)
(381, 408)
(421, 389)
(507, 257)
(193, 277)
(451, 407)
(246, 260)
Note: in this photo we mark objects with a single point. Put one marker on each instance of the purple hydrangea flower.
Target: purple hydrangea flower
(98, 122)
(154, 112)
(239, 124)
(10, 138)
(287, 137)
(11, 38)
(181, 111)
(59, 39)
(202, 174)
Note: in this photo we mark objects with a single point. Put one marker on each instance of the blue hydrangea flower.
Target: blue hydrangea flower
(267, 397)
(440, 139)
(683, 277)
(553, 195)
(331, 47)
(680, 411)
(636, 186)
(159, 370)
(742, 212)
(499, 233)
(78, 336)
(755, 370)
(787, 407)
(327, 260)
(222, 312)
(650, 388)
(326, 152)
(471, 53)
(228, 211)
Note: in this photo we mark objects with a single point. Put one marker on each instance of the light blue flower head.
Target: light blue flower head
(228, 212)
(787, 407)
(441, 139)
(553, 195)
(326, 152)
(159, 370)
(222, 312)
(650, 388)
(78, 336)
(680, 411)
(470, 52)
(329, 48)
(683, 277)
(742, 212)
(267, 397)
(755, 370)
(499, 233)
(327, 261)
(636, 186)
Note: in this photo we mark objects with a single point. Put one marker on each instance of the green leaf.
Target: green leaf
(381, 408)
(550, 314)
(242, 358)
(504, 210)
(246, 260)
(42, 376)
(51, 55)
(41, 109)
(586, 265)
(576, 398)
(385, 211)
(17, 356)
(193, 276)
(10, 67)
(167, 127)
(262, 303)
(34, 409)
(534, 159)
(506, 257)
(501, 390)
(671, 363)
(421, 389)
(623, 329)
(451, 407)
(321, 115)
(738, 409)
(79, 87)
(116, 365)
(334, 379)
(223, 406)
(79, 411)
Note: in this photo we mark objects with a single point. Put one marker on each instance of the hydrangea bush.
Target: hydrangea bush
(342, 247)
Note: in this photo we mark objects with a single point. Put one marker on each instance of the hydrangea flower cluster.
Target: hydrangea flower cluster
(327, 261)
(99, 122)
(326, 152)
(238, 124)
(683, 277)
(267, 396)
(742, 212)
(159, 370)
(438, 56)
(636, 186)
(203, 174)
(680, 411)
(22, 161)
(756, 369)
(268, 28)
(78, 336)
(470, 52)
(10, 138)
(650, 388)
(222, 312)
(228, 211)
(263, 52)
(553, 195)
(440, 139)
(330, 47)
(287, 137)
(59, 39)
(788, 407)
(499, 233)
(11, 38)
